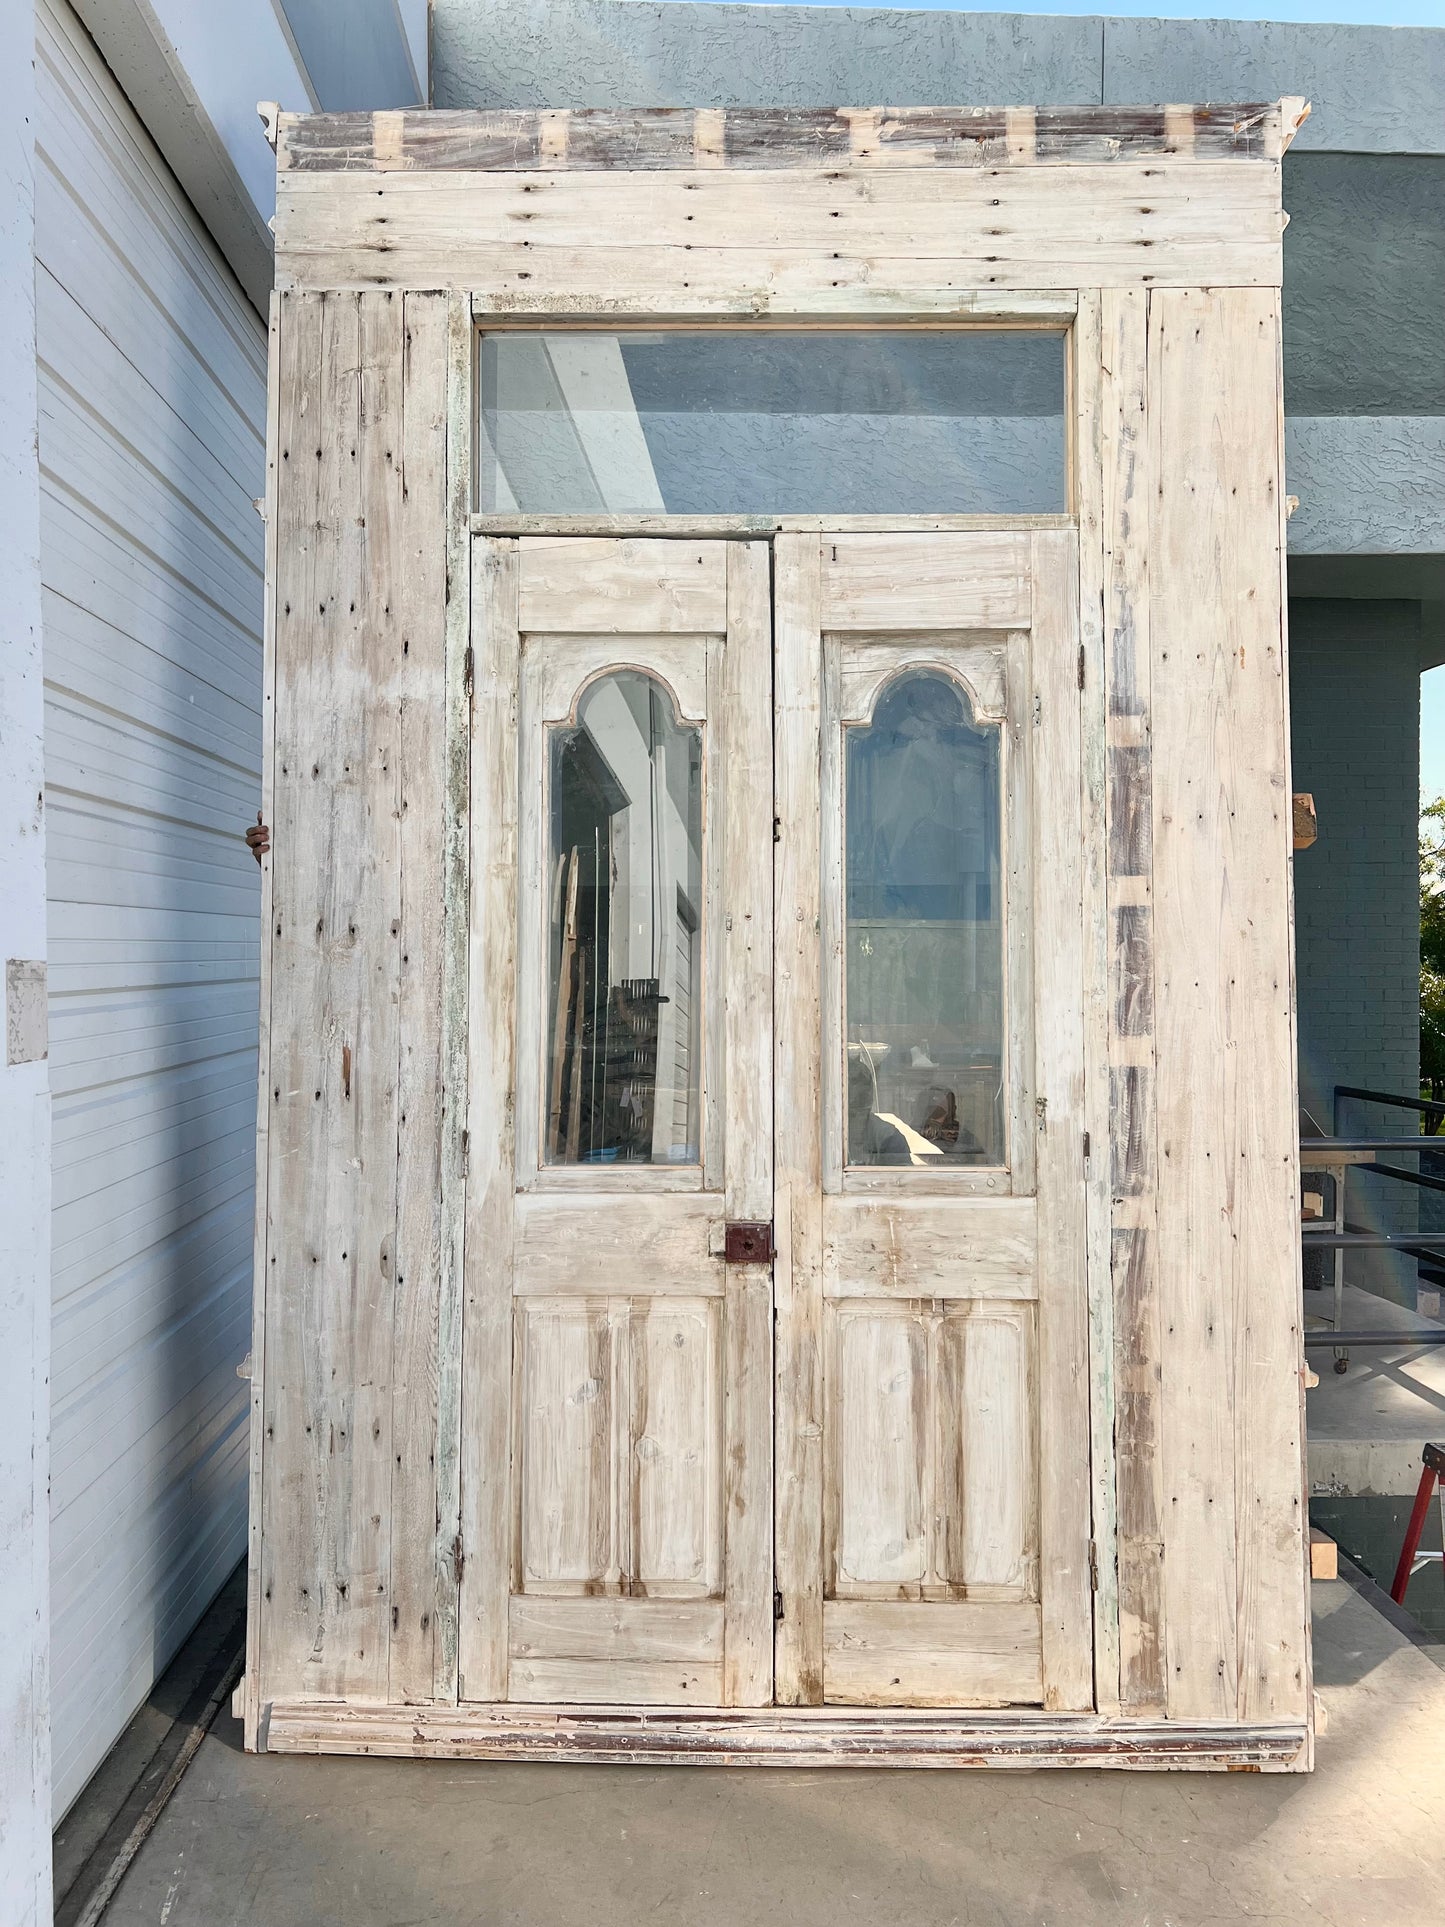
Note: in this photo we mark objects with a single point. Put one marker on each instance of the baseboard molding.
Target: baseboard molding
(779, 1736)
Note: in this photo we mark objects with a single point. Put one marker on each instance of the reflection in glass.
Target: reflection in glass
(772, 421)
(621, 1080)
(924, 937)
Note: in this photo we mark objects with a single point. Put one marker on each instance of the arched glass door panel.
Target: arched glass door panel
(924, 937)
(621, 1078)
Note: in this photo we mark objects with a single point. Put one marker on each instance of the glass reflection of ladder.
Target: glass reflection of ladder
(1412, 1560)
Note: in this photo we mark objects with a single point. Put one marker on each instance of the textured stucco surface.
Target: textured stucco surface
(1364, 283)
(1367, 484)
(1355, 730)
(1374, 89)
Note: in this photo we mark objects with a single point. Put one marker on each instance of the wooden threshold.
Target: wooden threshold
(778, 1736)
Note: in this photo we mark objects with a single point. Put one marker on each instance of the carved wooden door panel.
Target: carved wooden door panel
(617, 1373)
(932, 1436)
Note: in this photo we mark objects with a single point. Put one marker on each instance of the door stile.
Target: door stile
(1059, 978)
(746, 909)
(798, 1209)
(485, 1572)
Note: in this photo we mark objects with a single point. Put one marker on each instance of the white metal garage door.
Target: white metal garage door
(152, 412)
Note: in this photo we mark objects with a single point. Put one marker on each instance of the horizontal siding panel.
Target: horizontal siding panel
(124, 674)
(151, 420)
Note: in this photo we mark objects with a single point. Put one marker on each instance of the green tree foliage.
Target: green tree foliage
(1432, 947)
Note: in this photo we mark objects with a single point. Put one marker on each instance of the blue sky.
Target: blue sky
(1432, 733)
(1385, 13)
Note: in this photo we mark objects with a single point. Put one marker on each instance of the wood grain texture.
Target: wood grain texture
(1127, 499)
(251, 1683)
(491, 1149)
(746, 908)
(672, 241)
(456, 911)
(964, 581)
(579, 586)
(1064, 1493)
(788, 1736)
(1087, 425)
(911, 1247)
(1228, 1183)
(931, 1655)
(521, 139)
(348, 1371)
(419, 613)
(798, 1181)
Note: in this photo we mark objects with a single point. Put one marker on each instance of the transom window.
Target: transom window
(770, 421)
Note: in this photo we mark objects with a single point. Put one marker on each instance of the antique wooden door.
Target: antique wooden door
(932, 1432)
(791, 872)
(617, 1384)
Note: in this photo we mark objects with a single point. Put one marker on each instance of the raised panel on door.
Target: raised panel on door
(931, 1387)
(623, 1495)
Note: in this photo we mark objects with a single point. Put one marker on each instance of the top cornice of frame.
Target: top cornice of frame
(655, 138)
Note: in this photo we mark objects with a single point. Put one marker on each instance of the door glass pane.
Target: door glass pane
(924, 936)
(773, 421)
(621, 1079)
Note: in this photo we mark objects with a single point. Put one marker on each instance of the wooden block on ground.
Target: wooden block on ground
(1324, 1555)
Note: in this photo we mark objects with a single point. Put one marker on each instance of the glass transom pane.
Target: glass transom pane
(924, 932)
(621, 1081)
(771, 421)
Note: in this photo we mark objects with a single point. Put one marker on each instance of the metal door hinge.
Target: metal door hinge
(1086, 1150)
(469, 664)
(1093, 1565)
(458, 1558)
(777, 1605)
(1081, 665)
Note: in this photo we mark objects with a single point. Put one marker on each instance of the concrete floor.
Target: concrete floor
(1367, 1426)
(275, 1842)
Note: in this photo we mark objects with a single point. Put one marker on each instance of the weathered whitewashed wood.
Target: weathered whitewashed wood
(746, 772)
(419, 637)
(682, 527)
(250, 1701)
(402, 140)
(573, 1245)
(348, 1376)
(487, 1308)
(786, 1736)
(689, 1630)
(1064, 1494)
(643, 588)
(798, 1180)
(931, 1655)
(931, 1474)
(456, 910)
(908, 1247)
(618, 1682)
(1228, 1183)
(1134, 1158)
(1087, 384)
(674, 238)
(965, 581)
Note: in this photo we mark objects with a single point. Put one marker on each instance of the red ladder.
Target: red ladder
(1411, 1558)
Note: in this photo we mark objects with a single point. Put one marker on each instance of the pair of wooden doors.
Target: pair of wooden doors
(775, 1383)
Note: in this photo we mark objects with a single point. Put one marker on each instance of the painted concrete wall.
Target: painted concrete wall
(1355, 724)
(1375, 90)
(24, 1073)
